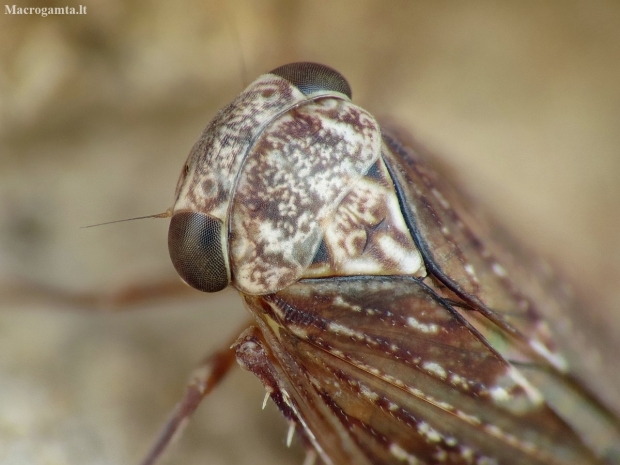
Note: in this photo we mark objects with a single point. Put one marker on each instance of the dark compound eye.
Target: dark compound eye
(195, 246)
(312, 77)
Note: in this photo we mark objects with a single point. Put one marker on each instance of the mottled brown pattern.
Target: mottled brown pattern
(211, 169)
(293, 180)
(367, 234)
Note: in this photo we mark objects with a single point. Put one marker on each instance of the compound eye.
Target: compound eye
(312, 77)
(195, 246)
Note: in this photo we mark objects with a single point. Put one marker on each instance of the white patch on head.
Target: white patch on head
(435, 368)
(425, 328)
(363, 265)
(409, 260)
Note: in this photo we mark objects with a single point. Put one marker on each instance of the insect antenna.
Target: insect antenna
(166, 214)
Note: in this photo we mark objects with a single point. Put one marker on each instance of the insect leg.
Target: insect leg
(202, 381)
(253, 355)
(124, 298)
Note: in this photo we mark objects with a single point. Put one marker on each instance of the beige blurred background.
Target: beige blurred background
(97, 114)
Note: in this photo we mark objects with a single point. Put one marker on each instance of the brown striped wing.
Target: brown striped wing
(514, 300)
(458, 252)
(381, 370)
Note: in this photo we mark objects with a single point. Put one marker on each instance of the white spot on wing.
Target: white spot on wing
(534, 395)
(435, 368)
(499, 394)
(555, 359)
(339, 301)
(498, 270)
(402, 455)
(368, 394)
(442, 200)
(431, 434)
(469, 269)
(425, 328)
(459, 381)
(345, 331)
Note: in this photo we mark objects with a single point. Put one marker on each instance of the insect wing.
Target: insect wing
(409, 380)
(458, 253)
(515, 301)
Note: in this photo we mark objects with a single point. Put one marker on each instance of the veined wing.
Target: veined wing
(542, 324)
(409, 379)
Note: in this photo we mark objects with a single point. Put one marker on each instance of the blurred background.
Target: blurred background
(97, 115)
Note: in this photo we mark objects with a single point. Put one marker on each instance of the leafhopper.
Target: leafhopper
(392, 323)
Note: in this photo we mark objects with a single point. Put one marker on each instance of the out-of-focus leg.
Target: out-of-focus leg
(202, 381)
